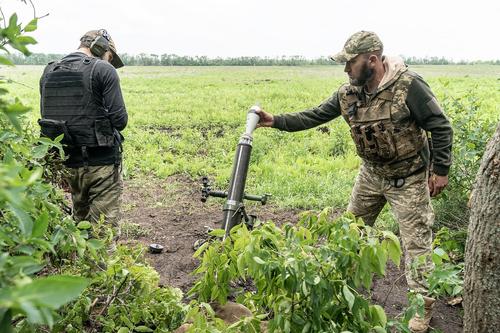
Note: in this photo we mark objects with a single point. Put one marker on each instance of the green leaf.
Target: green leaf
(217, 232)
(27, 264)
(201, 249)
(123, 330)
(142, 329)
(33, 314)
(26, 40)
(381, 258)
(84, 225)
(12, 22)
(5, 61)
(5, 321)
(26, 222)
(13, 111)
(39, 151)
(52, 291)
(34, 176)
(393, 251)
(349, 297)
(95, 244)
(378, 315)
(31, 26)
(441, 253)
(259, 260)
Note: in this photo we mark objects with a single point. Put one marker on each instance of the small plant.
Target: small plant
(307, 277)
(447, 277)
(123, 296)
(133, 230)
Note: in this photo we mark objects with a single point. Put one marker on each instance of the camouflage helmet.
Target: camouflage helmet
(359, 43)
(91, 35)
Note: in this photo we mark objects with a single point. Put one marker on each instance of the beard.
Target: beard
(365, 75)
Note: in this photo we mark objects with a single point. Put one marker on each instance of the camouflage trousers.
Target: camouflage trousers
(96, 192)
(412, 208)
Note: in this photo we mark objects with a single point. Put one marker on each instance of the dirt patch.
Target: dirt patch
(169, 212)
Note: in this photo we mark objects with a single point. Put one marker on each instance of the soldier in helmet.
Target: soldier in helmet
(390, 110)
(82, 99)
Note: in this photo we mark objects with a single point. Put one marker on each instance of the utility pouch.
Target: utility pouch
(53, 128)
(104, 133)
(408, 141)
(357, 138)
(370, 145)
(386, 149)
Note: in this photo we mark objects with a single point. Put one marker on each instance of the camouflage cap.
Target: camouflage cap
(359, 43)
(91, 35)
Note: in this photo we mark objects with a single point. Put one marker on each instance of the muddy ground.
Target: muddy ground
(169, 212)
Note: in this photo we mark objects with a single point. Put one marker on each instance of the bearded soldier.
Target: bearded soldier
(82, 99)
(390, 111)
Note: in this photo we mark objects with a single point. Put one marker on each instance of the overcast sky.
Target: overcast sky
(458, 30)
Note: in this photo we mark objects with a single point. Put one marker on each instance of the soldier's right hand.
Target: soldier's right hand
(266, 119)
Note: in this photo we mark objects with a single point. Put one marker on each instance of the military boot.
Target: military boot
(420, 324)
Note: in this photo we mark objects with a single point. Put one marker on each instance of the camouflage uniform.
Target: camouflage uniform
(389, 128)
(96, 193)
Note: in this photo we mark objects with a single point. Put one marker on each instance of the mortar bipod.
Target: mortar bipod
(239, 210)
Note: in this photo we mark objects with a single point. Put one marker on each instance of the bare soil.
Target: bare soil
(170, 213)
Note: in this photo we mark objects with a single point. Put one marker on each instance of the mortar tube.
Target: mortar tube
(232, 216)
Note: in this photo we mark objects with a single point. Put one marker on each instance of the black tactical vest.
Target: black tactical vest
(69, 107)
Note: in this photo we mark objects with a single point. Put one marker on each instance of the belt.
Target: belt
(399, 182)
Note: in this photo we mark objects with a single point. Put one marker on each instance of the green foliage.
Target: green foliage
(30, 217)
(452, 242)
(38, 242)
(306, 277)
(124, 296)
(472, 130)
(447, 277)
(448, 257)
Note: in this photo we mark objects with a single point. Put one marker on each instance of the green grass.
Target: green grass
(189, 119)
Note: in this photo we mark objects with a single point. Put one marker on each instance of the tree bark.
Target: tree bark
(482, 252)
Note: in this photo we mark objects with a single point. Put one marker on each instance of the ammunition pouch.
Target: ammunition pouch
(93, 133)
(382, 142)
(53, 128)
(374, 142)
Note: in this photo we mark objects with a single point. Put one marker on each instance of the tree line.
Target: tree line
(177, 60)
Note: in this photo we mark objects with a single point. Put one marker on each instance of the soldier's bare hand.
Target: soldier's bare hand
(266, 119)
(437, 184)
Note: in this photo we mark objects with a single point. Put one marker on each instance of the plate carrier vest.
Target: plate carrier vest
(385, 135)
(68, 106)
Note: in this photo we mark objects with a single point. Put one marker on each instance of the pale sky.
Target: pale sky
(458, 30)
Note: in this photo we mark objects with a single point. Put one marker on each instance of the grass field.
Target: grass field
(188, 120)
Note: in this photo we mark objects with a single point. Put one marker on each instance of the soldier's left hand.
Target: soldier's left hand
(437, 183)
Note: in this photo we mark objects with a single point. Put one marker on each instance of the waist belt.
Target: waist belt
(399, 182)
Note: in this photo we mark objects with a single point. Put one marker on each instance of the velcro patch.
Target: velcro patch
(434, 106)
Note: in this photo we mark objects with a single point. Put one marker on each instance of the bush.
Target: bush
(472, 130)
(307, 277)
